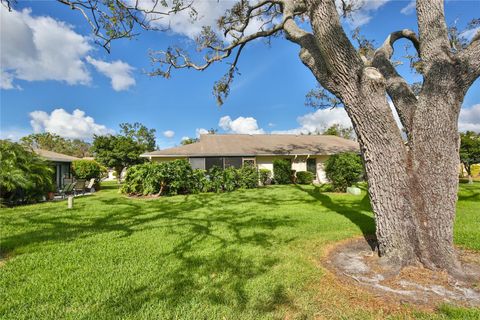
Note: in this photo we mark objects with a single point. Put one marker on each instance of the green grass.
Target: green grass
(249, 254)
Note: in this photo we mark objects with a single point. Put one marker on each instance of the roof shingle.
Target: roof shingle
(260, 144)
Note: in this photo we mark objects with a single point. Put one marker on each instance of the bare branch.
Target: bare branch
(400, 92)
(116, 19)
(7, 4)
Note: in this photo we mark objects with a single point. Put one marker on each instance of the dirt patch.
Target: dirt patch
(355, 262)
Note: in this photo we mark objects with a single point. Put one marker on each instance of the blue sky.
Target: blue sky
(49, 62)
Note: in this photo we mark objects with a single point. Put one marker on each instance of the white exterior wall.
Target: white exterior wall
(321, 176)
(266, 162)
(298, 164)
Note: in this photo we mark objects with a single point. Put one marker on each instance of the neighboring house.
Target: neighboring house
(62, 164)
(306, 152)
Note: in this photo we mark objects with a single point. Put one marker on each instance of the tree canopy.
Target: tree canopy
(54, 142)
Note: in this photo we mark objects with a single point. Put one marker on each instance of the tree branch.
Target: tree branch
(118, 18)
(340, 58)
(470, 61)
(433, 32)
(400, 92)
(310, 53)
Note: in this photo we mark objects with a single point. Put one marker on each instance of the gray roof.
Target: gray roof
(259, 144)
(54, 156)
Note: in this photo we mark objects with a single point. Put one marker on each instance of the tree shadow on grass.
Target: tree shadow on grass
(220, 275)
(352, 210)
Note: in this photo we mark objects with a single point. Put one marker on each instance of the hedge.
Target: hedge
(178, 177)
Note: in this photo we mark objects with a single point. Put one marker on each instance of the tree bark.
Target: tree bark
(413, 180)
(412, 185)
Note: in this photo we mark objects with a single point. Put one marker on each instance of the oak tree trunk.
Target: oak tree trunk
(412, 182)
(412, 175)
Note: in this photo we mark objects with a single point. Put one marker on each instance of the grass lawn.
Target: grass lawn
(249, 254)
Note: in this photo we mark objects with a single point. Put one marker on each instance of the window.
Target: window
(312, 166)
(197, 163)
(235, 162)
(213, 162)
(249, 161)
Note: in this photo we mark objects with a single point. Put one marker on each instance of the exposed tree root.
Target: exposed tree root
(359, 265)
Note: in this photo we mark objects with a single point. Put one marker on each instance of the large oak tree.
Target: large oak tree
(413, 181)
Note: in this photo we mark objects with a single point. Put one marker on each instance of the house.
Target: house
(62, 164)
(305, 152)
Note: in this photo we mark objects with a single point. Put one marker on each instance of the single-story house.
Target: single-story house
(305, 152)
(62, 164)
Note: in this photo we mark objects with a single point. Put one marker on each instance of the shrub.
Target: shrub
(87, 169)
(343, 170)
(177, 177)
(199, 181)
(305, 177)
(231, 179)
(282, 171)
(164, 178)
(215, 177)
(24, 176)
(326, 187)
(248, 177)
(265, 176)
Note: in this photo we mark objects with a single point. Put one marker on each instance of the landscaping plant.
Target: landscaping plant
(265, 176)
(24, 176)
(344, 169)
(282, 171)
(305, 177)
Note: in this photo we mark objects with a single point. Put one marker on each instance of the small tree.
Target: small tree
(344, 169)
(87, 169)
(469, 151)
(117, 152)
(282, 170)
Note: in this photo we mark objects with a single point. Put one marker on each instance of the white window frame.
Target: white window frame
(249, 159)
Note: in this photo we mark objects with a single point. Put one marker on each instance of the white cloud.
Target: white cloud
(409, 8)
(119, 72)
(168, 134)
(240, 125)
(182, 23)
(318, 121)
(38, 48)
(200, 131)
(364, 14)
(6, 81)
(469, 119)
(41, 48)
(184, 138)
(74, 125)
